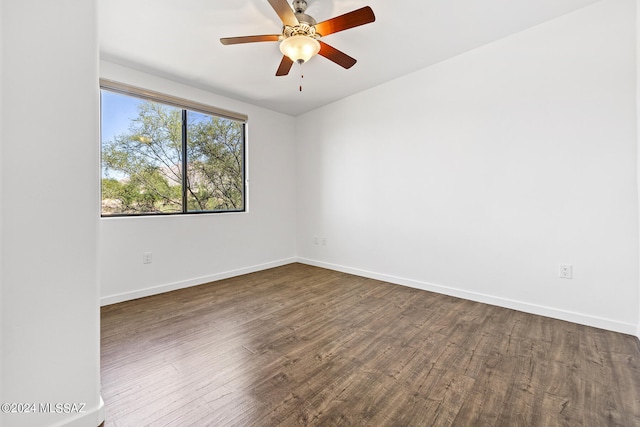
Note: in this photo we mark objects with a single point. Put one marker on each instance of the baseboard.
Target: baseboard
(90, 418)
(154, 290)
(583, 319)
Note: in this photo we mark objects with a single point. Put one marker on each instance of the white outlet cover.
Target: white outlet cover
(566, 271)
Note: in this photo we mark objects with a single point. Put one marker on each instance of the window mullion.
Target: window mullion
(184, 161)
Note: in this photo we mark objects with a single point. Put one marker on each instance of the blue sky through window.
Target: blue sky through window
(117, 112)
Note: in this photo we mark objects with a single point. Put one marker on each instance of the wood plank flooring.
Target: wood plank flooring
(299, 345)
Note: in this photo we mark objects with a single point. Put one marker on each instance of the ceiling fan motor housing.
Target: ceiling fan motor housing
(303, 29)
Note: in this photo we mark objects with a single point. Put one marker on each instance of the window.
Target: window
(165, 155)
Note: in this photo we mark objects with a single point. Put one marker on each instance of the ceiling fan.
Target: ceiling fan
(299, 40)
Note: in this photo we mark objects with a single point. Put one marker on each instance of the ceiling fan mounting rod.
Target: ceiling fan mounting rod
(299, 6)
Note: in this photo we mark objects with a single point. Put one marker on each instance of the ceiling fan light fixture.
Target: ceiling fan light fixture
(300, 48)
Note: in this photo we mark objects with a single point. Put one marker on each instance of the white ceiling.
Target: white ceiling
(179, 40)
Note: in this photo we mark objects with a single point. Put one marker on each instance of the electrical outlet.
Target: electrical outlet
(324, 241)
(566, 271)
(147, 258)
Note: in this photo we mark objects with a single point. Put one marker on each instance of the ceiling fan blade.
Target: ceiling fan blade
(344, 22)
(285, 66)
(250, 39)
(285, 12)
(333, 54)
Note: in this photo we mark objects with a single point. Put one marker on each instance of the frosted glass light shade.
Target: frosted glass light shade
(300, 48)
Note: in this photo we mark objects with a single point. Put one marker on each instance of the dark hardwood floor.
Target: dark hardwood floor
(299, 345)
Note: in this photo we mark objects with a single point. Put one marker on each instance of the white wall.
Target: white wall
(195, 249)
(638, 113)
(1, 224)
(476, 177)
(50, 209)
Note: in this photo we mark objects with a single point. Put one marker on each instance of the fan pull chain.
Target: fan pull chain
(301, 75)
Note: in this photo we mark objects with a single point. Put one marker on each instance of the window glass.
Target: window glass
(215, 163)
